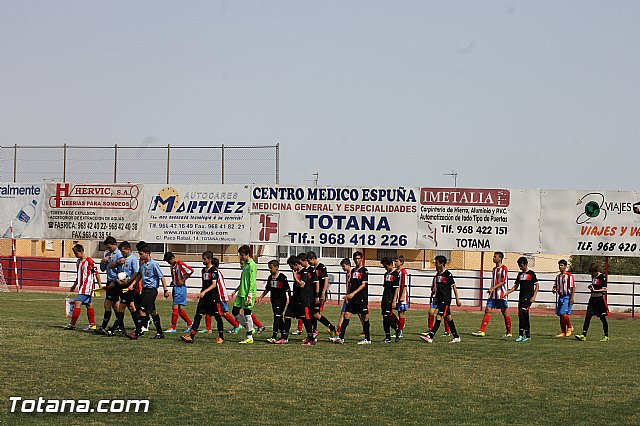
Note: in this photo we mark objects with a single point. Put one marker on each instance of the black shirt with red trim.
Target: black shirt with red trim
(278, 287)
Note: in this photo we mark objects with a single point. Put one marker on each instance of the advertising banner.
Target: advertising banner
(21, 204)
(197, 214)
(327, 216)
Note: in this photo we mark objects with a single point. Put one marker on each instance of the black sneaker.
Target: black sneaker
(398, 334)
(158, 336)
(102, 331)
(69, 327)
(387, 340)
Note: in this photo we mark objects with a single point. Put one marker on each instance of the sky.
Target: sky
(516, 94)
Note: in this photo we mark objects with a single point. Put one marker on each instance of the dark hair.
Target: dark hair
(357, 254)
(399, 258)
(522, 261)
(125, 245)
(215, 262)
(168, 256)
(208, 254)
(244, 250)
(562, 262)
(273, 262)
(386, 261)
(144, 248)
(440, 259)
(293, 260)
(303, 257)
(78, 248)
(312, 255)
(499, 253)
(140, 244)
(109, 240)
(345, 261)
(594, 267)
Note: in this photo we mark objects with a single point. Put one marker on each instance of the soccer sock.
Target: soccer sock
(255, 320)
(75, 316)
(485, 322)
(324, 321)
(145, 321)
(563, 324)
(308, 326)
(299, 325)
(567, 321)
(119, 325)
(401, 323)
(343, 330)
(521, 321)
(431, 320)
(220, 325)
(585, 326)
(207, 320)
(139, 322)
(105, 319)
(527, 324)
(387, 326)
(231, 320)
(184, 316)
(249, 321)
(240, 319)
(174, 318)
(134, 317)
(314, 323)
(605, 325)
(446, 327)
(339, 328)
(452, 327)
(434, 330)
(366, 326)
(196, 323)
(394, 318)
(286, 328)
(156, 322)
(277, 319)
(91, 315)
(507, 323)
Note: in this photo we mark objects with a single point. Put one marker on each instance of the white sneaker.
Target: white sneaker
(455, 340)
(364, 342)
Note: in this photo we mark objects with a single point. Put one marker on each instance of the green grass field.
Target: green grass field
(480, 381)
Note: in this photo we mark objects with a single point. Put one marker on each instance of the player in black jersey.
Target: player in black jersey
(442, 299)
(597, 304)
(527, 282)
(390, 292)
(278, 285)
(300, 301)
(208, 299)
(357, 298)
(320, 279)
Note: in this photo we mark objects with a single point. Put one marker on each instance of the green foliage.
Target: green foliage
(617, 265)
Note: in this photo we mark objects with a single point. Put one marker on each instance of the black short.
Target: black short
(299, 311)
(126, 297)
(386, 308)
(357, 309)
(597, 306)
(317, 307)
(524, 304)
(148, 299)
(207, 306)
(113, 292)
(277, 307)
(137, 299)
(444, 309)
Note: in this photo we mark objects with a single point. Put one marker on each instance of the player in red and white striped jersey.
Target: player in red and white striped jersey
(180, 273)
(402, 304)
(497, 296)
(565, 288)
(86, 279)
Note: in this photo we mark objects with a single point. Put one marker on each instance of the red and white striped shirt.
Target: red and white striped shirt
(564, 283)
(86, 276)
(180, 271)
(403, 292)
(500, 275)
(222, 289)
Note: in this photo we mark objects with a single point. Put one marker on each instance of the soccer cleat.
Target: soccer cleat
(455, 340)
(187, 330)
(70, 327)
(260, 329)
(296, 332)
(332, 332)
(337, 340)
(526, 339)
(364, 342)
(427, 339)
(446, 334)
(172, 330)
(310, 343)
(235, 330)
(561, 335)
(90, 328)
(387, 340)
(520, 339)
(158, 336)
(580, 337)
(205, 331)
(508, 335)
(478, 333)
(248, 341)
(426, 333)
(281, 342)
(315, 334)
(187, 338)
(271, 340)
(219, 340)
(144, 329)
(605, 339)
(569, 331)
(101, 331)
(132, 336)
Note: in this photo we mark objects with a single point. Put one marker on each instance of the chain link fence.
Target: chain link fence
(141, 164)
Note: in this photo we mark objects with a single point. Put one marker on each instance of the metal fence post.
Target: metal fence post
(15, 163)
(64, 162)
(168, 161)
(633, 300)
(115, 163)
(278, 164)
(481, 280)
(222, 155)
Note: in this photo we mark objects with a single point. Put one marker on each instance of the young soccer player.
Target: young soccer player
(151, 277)
(497, 296)
(320, 278)
(442, 299)
(130, 265)
(565, 288)
(278, 286)
(86, 278)
(357, 298)
(300, 302)
(209, 298)
(402, 304)
(527, 282)
(389, 299)
(111, 266)
(180, 273)
(246, 292)
(597, 304)
(304, 261)
(433, 306)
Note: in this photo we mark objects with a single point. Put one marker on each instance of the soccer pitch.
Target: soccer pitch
(487, 380)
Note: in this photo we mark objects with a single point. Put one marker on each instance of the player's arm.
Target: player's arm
(75, 284)
(356, 291)
(403, 285)
(554, 289)
(316, 285)
(573, 291)
(208, 289)
(95, 271)
(396, 296)
(187, 271)
(164, 285)
(455, 292)
(325, 286)
(264, 293)
(535, 291)
(512, 289)
(104, 263)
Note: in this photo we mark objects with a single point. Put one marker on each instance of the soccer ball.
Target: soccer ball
(123, 278)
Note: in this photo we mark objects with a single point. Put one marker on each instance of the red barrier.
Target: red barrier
(33, 271)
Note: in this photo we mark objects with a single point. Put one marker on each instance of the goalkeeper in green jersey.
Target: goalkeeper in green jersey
(246, 293)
